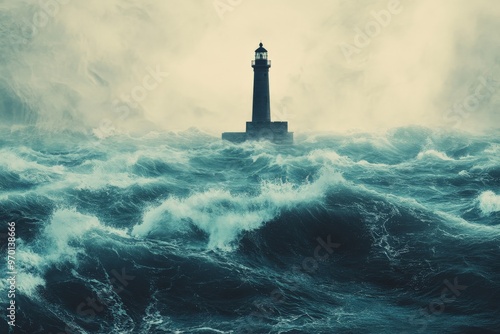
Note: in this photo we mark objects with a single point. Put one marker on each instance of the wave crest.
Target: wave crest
(489, 202)
(223, 215)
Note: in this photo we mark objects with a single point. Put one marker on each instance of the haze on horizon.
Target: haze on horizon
(74, 67)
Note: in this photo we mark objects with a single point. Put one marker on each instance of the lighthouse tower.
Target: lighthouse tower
(261, 126)
(261, 111)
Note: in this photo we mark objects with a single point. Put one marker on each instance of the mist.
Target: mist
(119, 66)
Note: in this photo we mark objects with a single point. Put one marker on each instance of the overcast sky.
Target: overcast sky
(337, 65)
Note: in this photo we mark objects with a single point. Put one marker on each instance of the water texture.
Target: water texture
(397, 232)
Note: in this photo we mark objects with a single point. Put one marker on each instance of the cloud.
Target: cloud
(82, 65)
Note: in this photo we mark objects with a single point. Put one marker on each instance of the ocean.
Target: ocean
(181, 232)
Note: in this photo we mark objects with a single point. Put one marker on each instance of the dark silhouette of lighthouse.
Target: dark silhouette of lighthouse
(261, 111)
(261, 126)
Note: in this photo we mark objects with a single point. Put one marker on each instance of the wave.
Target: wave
(61, 241)
(223, 215)
(210, 229)
(489, 202)
(433, 154)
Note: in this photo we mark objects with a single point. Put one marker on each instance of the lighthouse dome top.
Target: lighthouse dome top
(261, 54)
(261, 48)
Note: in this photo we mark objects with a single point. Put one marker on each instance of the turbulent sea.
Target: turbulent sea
(396, 232)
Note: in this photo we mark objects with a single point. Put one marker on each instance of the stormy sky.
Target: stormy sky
(337, 65)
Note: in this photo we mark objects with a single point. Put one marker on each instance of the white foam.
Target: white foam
(480, 231)
(333, 157)
(433, 154)
(60, 241)
(28, 258)
(223, 216)
(493, 149)
(66, 225)
(28, 283)
(27, 170)
(489, 202)
(464, 173)
(262, 155)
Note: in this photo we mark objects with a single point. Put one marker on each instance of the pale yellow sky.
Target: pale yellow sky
(337, 65)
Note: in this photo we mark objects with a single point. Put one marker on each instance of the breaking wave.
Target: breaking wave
(184, 233)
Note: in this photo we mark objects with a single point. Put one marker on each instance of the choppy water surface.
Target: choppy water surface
(183, 233)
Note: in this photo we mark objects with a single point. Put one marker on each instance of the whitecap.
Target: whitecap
(223, 215)
(433, 154)
(489, 202)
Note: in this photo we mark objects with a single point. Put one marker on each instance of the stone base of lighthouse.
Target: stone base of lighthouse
(276, 132)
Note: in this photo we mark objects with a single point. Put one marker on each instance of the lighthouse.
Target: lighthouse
(261, 109)
(261, 127)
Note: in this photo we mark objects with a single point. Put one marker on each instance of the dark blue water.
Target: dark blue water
(182, 233)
